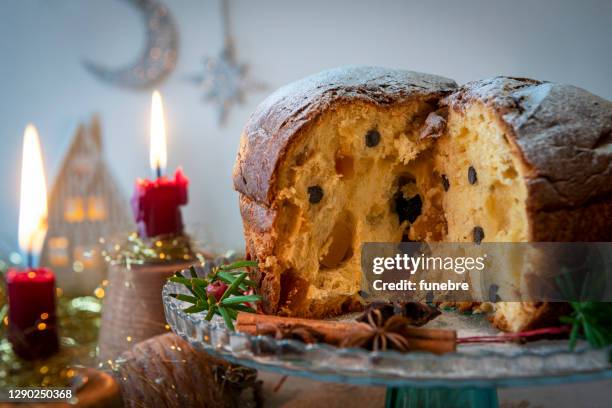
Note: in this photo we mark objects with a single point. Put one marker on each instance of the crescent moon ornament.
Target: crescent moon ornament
(158, 58)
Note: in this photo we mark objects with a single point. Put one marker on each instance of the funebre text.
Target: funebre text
(423, 285)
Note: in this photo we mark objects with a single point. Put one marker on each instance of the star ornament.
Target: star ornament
(225, 82)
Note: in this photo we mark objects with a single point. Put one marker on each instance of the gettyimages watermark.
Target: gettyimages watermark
(468, 272)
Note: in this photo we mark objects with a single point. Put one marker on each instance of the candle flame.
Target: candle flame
(158, 156)
(33, 200)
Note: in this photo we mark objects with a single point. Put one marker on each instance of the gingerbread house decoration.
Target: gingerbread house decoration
(85, 205)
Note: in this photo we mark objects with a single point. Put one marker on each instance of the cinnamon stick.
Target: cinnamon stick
(334, 332)
(331, 331)
(423, 333)
(436, 346)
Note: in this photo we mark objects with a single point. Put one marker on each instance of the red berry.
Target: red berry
(217, 289)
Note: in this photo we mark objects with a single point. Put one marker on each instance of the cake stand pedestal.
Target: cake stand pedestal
(439, 397)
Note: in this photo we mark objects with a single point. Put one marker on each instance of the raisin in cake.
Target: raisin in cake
(364, 154)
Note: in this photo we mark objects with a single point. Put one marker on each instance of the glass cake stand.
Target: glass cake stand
(466, 378)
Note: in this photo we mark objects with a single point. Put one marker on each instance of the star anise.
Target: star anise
(295, 332)
(417, 313)
(383, 334)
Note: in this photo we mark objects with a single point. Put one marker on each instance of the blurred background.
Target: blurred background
(43, 78)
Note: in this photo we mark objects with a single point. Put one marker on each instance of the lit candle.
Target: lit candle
(156, 202)
(31, 291)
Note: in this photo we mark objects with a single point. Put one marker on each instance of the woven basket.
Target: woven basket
(133, 309)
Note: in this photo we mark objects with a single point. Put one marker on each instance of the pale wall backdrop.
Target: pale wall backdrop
(42, 43)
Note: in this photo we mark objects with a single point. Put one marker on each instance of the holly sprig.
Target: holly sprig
(591, 320)
(223, 292)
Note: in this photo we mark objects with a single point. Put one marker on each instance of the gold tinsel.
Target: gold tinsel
(79, 322)
(159, 249)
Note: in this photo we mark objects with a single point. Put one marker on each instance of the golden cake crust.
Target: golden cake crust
(279, 119)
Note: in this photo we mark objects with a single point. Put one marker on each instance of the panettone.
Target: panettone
(542, 160)
(366, 154)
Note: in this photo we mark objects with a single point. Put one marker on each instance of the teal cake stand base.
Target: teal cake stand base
(411, 397)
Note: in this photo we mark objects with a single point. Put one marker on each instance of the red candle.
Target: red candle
(31, 292)
(32, 327)
(156, 203)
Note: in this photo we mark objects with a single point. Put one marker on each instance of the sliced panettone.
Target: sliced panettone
(325, 164)
(526, 161)
(359, 155)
